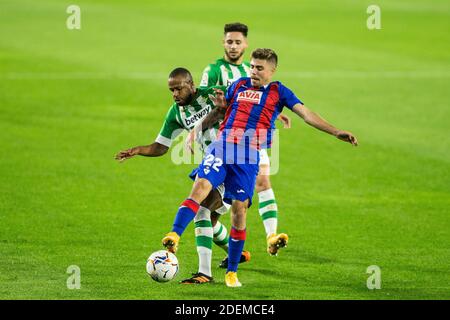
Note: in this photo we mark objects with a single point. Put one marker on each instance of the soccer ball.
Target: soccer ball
(162, 266)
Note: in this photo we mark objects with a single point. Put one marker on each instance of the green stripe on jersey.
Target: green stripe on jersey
(224, 73)
(228, 70)
(181, 118)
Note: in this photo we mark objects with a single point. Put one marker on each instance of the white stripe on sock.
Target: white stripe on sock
(204, 260)
(266, 195)
(204, 231)
(202, 214)
(270, 225)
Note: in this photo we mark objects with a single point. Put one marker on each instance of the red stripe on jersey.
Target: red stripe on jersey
(227, 114)
(191, 204)
(240, 122)
(238, 234)
(265, 118)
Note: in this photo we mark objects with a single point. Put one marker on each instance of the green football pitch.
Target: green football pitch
(71, 99)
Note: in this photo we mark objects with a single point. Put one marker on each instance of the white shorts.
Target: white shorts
(225, 206)
(264, 157)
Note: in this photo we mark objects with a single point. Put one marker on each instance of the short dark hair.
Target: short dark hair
(236, 27)
(181, 72)
(265, 54)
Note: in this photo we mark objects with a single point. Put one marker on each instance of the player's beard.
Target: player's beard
(187, 101)
(234, 60)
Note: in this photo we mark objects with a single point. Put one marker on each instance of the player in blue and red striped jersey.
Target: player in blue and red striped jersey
(251, 106)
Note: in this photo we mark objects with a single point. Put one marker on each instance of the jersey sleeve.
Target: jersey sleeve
(230, 91)
(170, 129)
(288, 98)
(210, 77)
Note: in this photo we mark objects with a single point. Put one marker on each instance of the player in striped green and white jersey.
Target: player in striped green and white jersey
(185, 115)
(225, 71)
(190, 106)
(231, 67)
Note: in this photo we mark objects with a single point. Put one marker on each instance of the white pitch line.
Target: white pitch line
(163, 76)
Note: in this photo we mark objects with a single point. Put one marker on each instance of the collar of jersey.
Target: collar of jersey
(251, 87)
(237, 65)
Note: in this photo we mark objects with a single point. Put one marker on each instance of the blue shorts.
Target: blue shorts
(239, 177)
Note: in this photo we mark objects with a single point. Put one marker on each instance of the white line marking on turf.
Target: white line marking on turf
(163, 76)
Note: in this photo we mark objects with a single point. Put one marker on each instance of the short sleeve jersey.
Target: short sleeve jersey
(180, 118)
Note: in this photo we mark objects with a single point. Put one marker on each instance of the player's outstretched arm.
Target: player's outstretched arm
(313, 119)
(153, 150)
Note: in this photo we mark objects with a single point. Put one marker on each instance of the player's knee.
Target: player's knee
(239, 210)
(263, 183)
(202, 214)
(201, 189)
(238, 214)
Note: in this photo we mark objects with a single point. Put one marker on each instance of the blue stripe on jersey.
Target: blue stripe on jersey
(230, 121)
(276, 113)
(255, 114)
(286, 98)
(231, 92)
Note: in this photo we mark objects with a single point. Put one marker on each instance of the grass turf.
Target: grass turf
(69, 100)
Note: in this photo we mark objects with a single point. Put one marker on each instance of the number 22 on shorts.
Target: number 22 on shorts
(210, 161)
